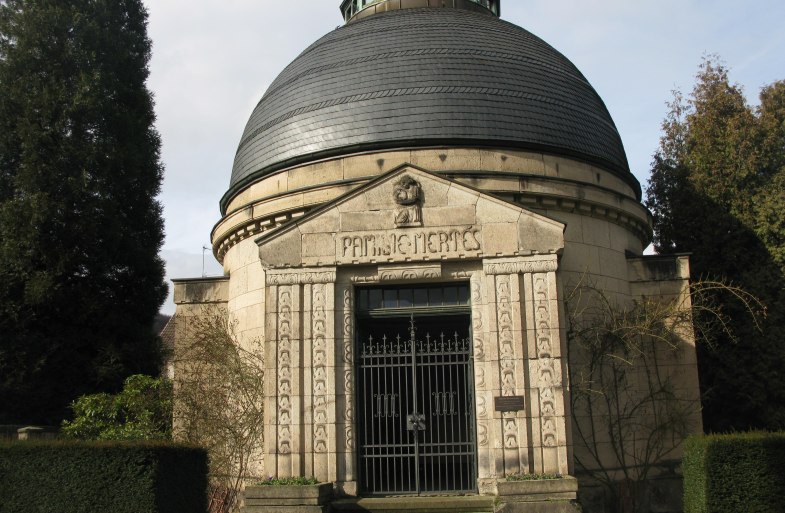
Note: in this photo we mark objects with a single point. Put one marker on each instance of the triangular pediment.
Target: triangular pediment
(410, 215)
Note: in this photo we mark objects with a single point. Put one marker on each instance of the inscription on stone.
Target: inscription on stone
(422, 244)
(509, 403)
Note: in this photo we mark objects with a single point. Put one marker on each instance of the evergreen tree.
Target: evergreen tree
(717, 190)
(80, 228)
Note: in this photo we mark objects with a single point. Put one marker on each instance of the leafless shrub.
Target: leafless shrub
(219, 401)
(631, 415)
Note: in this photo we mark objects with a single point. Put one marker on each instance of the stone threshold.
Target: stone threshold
(430, 504)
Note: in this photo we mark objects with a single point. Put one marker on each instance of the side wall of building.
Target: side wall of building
(205, 304)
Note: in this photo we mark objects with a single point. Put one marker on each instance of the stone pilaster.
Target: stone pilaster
(345, 389)
(482, 369)
(300, 435)
(548, 380)
(523, 295)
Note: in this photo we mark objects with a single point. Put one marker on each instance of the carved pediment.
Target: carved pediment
(410, 215)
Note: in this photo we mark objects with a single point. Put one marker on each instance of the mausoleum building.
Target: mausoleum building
(410, 203)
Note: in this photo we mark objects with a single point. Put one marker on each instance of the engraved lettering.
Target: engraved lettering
(470, 240)
(404, 245)
(419, 243)
(455, 236)
(432, 248)
(413, 245)
(444, 239)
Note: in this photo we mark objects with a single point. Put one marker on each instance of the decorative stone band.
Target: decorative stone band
(409, 272)
(406, 272)
(225, 239)
(253, 228)
(518, 266)
(316, 276)
(639, 226)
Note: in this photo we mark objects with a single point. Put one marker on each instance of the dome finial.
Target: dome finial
(356, 9)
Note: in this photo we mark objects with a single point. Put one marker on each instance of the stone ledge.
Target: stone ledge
(564, 488)
(321, 491)
(539, 507)
(287, 499)
(284, 502)
(285, 509)
(444, 504)
(538, 496)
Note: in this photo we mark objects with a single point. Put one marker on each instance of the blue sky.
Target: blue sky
(213, 60)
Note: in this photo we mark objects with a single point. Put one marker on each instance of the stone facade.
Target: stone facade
(295, 285)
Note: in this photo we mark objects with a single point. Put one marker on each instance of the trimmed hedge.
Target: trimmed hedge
(82, 477)
(735, 473)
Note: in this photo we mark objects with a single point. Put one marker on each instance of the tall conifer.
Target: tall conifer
(80, 228)
(717, 190)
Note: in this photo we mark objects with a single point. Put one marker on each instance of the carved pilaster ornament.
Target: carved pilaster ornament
(549, 372)
(504, 311)
(348, 360)
(284, 371)
(319, 359)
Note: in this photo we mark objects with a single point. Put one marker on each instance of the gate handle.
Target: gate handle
(415, 422)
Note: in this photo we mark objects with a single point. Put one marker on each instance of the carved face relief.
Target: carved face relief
(407, 191)
(408, 194)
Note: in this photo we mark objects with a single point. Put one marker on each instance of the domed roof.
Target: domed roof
(427, 77)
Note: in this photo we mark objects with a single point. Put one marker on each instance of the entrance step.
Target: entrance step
(451, 504)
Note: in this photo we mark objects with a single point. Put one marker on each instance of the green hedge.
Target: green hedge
(735, 473)
(108, 477)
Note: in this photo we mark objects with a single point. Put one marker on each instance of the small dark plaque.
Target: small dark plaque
(511, 403)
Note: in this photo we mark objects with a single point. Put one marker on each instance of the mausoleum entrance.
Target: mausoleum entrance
(412, 341)
(415, 395)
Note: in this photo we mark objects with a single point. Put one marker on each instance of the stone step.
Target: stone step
(285, 509)
(451, 504)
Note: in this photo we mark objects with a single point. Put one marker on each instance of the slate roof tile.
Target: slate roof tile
(424, 76)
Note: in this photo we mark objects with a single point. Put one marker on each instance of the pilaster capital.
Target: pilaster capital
(521, 265)
(301, 276)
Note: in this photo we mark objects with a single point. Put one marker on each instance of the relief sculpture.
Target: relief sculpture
(408, 194)
(510, 433)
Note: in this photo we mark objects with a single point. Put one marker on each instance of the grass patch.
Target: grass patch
(532, 477)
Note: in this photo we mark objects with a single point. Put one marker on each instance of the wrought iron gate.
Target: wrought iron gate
(415, 382)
